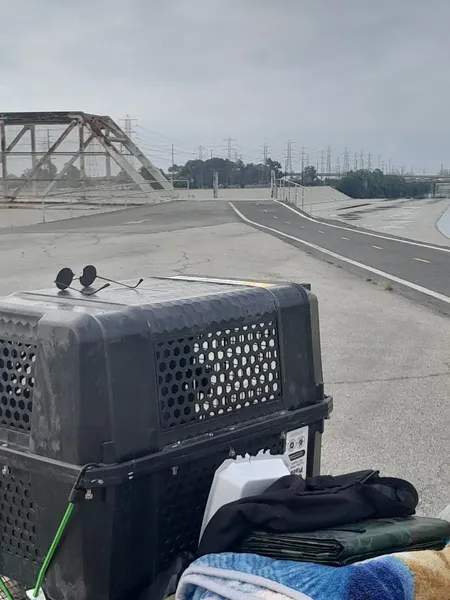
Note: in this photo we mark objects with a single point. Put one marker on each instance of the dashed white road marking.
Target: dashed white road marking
(275, 217)
(359, 231)
(377, 247)
(321, 231)
(394, 278)
(421, 260)
(344, 238)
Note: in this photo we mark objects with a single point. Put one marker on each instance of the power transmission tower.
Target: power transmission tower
(46, 144)
(361, 159)
(288, 161)
(303, 159)
(369, 161)
(329, 160)
(322, 162)
(229, 140)
(379, 161)
(129, 127)
(200, 149)
(338, 165)
(355, 161)
(346, 165)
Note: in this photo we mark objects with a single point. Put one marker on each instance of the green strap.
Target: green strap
(52, 550)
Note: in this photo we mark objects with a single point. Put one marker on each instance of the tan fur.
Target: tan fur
(431, 570)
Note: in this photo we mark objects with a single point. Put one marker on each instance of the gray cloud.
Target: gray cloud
(354, 73)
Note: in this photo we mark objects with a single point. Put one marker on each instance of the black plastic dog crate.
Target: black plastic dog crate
(157, 386)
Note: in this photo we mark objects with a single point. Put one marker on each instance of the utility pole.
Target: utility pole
(355, 161)
(173, 162)
(322, 162)
(390, 166)
(329, 160)
(288, 161)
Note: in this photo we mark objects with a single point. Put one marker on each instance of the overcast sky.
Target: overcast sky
(367, 74)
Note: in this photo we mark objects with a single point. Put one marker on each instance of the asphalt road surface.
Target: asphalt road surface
(415, 268)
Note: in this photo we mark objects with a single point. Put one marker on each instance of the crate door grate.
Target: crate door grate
(17, 365)
(18, 535)
(216, 373)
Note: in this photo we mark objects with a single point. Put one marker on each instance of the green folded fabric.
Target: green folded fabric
(351, 543)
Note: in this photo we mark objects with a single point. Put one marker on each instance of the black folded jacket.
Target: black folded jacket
(351, 543)
(293, 504)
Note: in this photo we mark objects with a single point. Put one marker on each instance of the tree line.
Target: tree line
(365, 183)
(376, 184)
(362, 183)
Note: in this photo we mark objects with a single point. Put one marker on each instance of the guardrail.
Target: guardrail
(293, 193)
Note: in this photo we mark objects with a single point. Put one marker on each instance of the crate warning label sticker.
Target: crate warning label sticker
(297, 450)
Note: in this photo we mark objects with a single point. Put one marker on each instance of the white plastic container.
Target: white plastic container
(242, 477)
